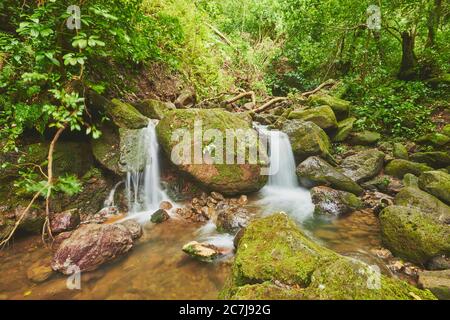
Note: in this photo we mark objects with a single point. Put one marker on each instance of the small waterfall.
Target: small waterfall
(144, 191)
(109, 202)
(283, 192)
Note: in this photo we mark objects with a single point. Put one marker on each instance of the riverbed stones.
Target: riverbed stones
(64, 221)
(436, 183)
(90, 246)
(160, 216)
(435, 159)
(340, 107)
(275, 259)
(231, 218)
(399, 167)
(332, 202)
(364, 165)
(225, 178)
(345, 127)
(203, 251)
(39, 271)
(364, 138)
(134, 228)
(438, 282)
(436, 139)
(165, 205)
(315, 171)
(322, 116)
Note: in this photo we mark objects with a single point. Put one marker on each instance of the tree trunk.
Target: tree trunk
(409, 62)
(433, 23)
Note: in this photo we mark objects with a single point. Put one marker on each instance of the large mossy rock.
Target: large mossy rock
(435, 139)
(323, 116)
(345, 127)
(414, 234)
(276, 260)
(225, 178)
(330, 202)
(435, 159)
(437, 183)
(399, 167)
(364, 138)
(153, 109)
(307, 139)
(400, 151)
(106, 149)
(315, 171)
(341, 108)
(125, 115)
(438, 282)
(364, 165)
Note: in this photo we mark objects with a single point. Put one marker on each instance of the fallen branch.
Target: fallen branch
(221, 35)
(250, 94)
(329, 82)
(267, 105)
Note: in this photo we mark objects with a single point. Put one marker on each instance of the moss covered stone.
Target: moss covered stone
(410, 180)
(400, 151)
(446, 130)
(437, 183)
(364, 138)
(363, 165)
(227, 178)
(328, 201)
(345, 127)
(153, 109)
(276, 260)
(106, 148)
(435, 159)
(125, 115)
(435, 138)
(413, 234)
(340, 107)
(399, 167)
(323, 116)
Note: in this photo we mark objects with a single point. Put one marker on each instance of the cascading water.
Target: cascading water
(283, 192)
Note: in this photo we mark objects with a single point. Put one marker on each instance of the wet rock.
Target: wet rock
(102, 216)
(64, 221)
(439, 263)
(436, 183)
(134, 228)
(307, 139)
(340, 107)
(382, 253)
(90, 246)
(160, 216)
(364, 165)
(125, 115)
(231, 218)
(438, 282)
(153, 109)
(435, 159)
(40, 271)
(377, 201)
(364, 138)
(165, 205)
(400, 151)
(345, 127)
(203, 251)
(315, 171)
(243, 200)
(383, 183)
(238, 237)
(332, 202)
(322, 116)
(399, 167)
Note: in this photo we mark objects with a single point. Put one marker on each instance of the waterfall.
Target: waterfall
(109, 202)
(144, 191)
(283, 192)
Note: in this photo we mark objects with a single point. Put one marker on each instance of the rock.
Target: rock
(226, 178)
(322, 116)
(40, 271)
(153, 109)
(332, 202)
(264, 118)
(435, 159)
(410, 180)
(439, 263)
(125, 115)
(377, 201)
(165, 205)
(438, 282)
(315, 171)
(203, 251)
(186, 99)
(436, 139)
(64, 221)
(106, 149)
(160, 216)
(446, 130)
(217, 196)
(275, 259)
(364, 138)
(345, 127)
(231, 218)
(364, 165)
(383, 183)
(414, 235)
(437, 183)
(400, 151)
(399, 167)
(340, 107)
(307, 139)
(134, 228)
(130, 148)
(243, 200)
(90, 246)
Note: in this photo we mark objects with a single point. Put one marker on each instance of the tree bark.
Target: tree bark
(409, 60)
(433, 23)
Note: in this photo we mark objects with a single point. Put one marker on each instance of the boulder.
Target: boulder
(153, 109)
(437, 183)
(228, 177)
(383, 183)
(438, 282)
(410, 180)
(332, 202)
(364, 165)
(364, 138)
(134, 228)
(90, 246)
(307, 139)
(399, 167)
(435, 139)
(435, 159)
(186, 99)
(160, 216)
(203, 251)
(124, 115)
(315, 171)
(413, 234)
(340, 107)
(446, 130)
(40, 271)
(276, 260)
(400, 151)
(345, 127)
(322, 116)
(231, 218)
(106, 149)
(64, 221)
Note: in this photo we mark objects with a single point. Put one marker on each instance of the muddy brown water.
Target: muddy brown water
(156, 268)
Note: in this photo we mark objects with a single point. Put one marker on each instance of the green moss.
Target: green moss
(400, 151)
(340, 107)
(436, 139)
(125, 115)
(323, 116)
(435, 159)
(446, 129)
(399, 167)
(153, 109)
(345, 127)
(365, 138)
(437, 183)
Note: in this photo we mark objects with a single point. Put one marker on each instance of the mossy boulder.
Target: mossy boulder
(364, 138)
(446, 130)
(345, 127)
(106, 149)
(307, 139)
(276, 260)
(400, 151)
(363, 165)
(410, 180)
(399, 167)
(438, 282)
(125, 115)
(435, 159)
(227, 178)
(437, 183)
(323, 116)
(341, 108)
(315, 171)
(435, 139)
(153, 109)
(414, 234)
(330, 202)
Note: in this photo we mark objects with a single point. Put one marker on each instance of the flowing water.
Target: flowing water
(156, 268)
